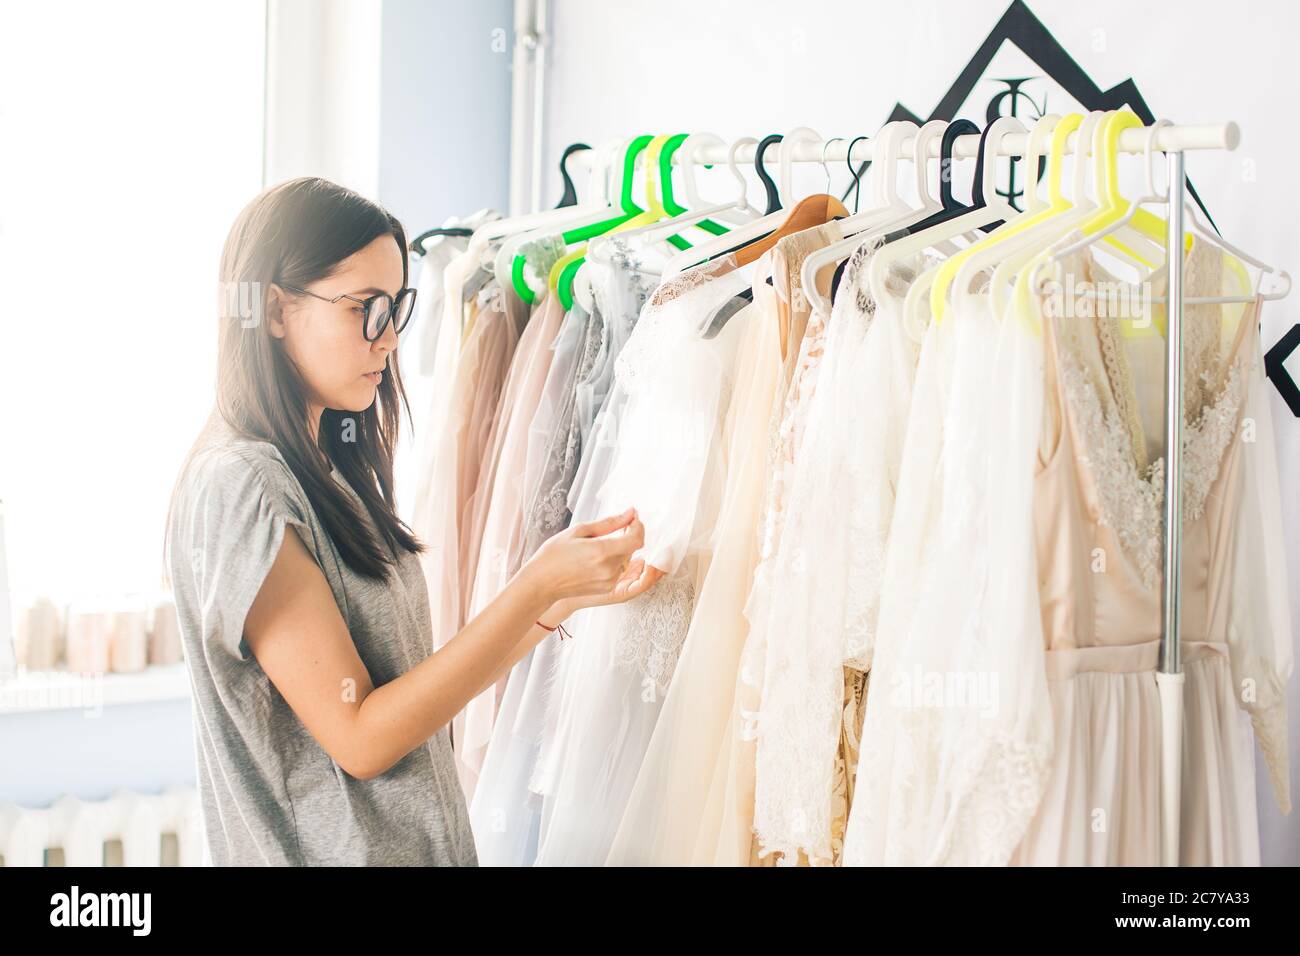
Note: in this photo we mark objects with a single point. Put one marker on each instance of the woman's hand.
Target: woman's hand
(591, 564)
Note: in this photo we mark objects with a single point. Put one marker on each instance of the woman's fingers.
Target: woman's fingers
(629, 577)
(637, 582)
(633, 537)
(603, 526)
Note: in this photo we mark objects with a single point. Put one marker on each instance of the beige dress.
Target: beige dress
(1098, 508)
(464, 430)
(496, 534)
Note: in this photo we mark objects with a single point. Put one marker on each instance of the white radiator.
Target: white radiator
(128, 829)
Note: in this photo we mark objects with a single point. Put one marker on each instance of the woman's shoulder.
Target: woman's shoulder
(226, 465)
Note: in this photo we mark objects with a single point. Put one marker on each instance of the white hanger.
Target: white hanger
(994, 208)
(643, 236)
(1060, 251)
(898, 213)
(983, 258)
(690, 149)
(888, 207)
(522, 229)
(1154, 196)
(1214, 239)
(753, 230)
(653, 232)
(1020, 250)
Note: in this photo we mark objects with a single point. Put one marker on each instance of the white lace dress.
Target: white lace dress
(815, 598)
(661, 432)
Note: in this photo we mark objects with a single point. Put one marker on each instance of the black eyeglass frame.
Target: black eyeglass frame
(402, 296)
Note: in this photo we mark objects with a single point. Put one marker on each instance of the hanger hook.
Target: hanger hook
(856, 188)
(764, 177)
(825, 146)
(734, 166)
(792, 139)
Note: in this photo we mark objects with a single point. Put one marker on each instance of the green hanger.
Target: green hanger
(566, 270)
(583, 233)
(671, 206)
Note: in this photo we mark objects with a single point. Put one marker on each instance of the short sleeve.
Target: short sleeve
(240, 502)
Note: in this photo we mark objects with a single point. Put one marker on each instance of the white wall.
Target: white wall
(765, 66)
(322, 91)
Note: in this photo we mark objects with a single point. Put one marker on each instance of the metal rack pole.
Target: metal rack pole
(1169, 675)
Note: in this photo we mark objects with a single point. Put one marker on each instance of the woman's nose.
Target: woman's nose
(387, 339)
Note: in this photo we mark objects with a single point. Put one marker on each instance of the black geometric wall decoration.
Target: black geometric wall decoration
(1276, 370)
(1019, 27)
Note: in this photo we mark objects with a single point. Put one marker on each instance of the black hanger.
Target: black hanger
(856, 188)
(417, 244)
(839, 274)
(951, 207)
(773, 198)
(773, 202)
(570, 197)
(961, 127)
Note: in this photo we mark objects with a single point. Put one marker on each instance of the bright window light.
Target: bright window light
(131, 134)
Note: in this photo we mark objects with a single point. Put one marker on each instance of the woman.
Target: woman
(321, 716)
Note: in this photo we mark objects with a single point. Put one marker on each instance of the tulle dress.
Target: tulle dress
(660, 446)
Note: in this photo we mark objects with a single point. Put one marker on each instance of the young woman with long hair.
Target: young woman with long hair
(321, 711)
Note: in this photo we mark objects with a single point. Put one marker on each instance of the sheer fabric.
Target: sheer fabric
(662, 433)
(665, 817)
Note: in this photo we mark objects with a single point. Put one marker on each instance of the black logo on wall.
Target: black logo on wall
(1019, 27)
(1009, 103)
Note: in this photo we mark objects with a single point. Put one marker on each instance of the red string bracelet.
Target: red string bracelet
(559, 627)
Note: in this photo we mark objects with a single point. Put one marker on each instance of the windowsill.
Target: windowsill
(52, 690)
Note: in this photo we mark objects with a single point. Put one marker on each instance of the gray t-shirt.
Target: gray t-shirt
(270, 794)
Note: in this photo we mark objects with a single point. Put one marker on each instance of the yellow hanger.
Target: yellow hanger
(1056, 204)
(653, 212)
(1116, 206)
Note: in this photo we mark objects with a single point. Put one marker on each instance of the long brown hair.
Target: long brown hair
(296, 233)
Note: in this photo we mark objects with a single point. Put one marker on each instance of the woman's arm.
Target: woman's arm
(638, 578)
(301, 641)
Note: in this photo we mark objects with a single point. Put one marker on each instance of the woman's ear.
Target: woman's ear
(276, 298)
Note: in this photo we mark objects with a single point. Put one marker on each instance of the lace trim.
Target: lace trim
(621, 253)
(654, 627)
(540, 255)
(1132, 502)
(1001, 784)
(797, 794)
(692, 278)
(846, 758)
(1121, 379)
(1270, 728)
(867, 534)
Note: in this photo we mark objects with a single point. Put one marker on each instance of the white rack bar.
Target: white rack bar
(1169, 139)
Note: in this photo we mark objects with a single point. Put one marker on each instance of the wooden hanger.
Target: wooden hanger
(807, 213)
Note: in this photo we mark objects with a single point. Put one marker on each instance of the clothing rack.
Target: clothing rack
(1174, 141)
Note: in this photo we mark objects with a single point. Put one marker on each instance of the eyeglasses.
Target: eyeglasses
(378, 309)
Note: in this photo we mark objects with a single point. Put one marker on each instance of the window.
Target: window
(133, 135)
